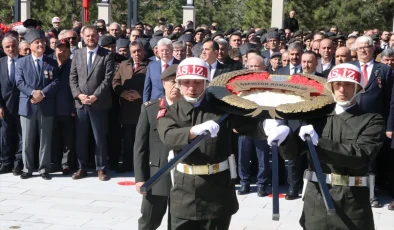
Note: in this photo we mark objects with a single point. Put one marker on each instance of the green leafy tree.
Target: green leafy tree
(258, 13)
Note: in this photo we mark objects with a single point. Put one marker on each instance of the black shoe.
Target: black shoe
(46, 176)
(292, 195)
(17, 171)
(261, 192)
(26, 175)
(245, 189)
(5, 169)
(375, 203)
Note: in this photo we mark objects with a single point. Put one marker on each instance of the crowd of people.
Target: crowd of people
(90, 97)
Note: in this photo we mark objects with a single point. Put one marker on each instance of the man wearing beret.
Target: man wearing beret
(150, 154)
(274, 62)
(199, 35)
(63, 155)
(36, 77)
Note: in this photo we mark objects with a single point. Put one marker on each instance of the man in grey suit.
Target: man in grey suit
(36, 77)
(92, 70)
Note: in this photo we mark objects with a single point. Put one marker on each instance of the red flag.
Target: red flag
(85, 5)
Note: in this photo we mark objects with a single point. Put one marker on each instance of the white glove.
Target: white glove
(309, 130)
(270, 124)
(210, 126)
(279, 134)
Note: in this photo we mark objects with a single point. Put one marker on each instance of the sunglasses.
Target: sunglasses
(72, 38)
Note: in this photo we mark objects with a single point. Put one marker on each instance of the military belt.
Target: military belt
(342, 180)
(207, 169)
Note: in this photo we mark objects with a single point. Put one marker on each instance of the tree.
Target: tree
(258, 13)
(6, 13)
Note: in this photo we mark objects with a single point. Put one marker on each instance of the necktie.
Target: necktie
(165, 66)
(210, 68)
(136, 66)
(12, 71)
(90, 60)
(365, 74)
(38, 67)
(294, 70)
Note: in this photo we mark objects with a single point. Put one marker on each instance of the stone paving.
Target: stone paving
(89, 204)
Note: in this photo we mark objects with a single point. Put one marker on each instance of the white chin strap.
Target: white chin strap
(193, 100)
(349, 102)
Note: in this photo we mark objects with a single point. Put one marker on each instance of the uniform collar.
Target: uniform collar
(351, 112)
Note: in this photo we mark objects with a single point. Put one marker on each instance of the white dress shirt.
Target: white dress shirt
(326, 66)
(163, 63)
(35, 63)
(94, 54)
(213, 69)
(9, 62)
(369, 67)
(292, 69)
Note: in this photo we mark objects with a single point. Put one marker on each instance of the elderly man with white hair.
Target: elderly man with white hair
(153, 88)
(378, 83)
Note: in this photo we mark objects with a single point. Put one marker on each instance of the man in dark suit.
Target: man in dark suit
(153, 88)
(223, 57)
(273, 39)
(294, 167)
(150, 154)
(11, 133)
(91, 75)
(295, 53)
(209, 54)
(37, 79)
(327, 53)
(309, 63)
(342, 55)
(377, 98)
(64, 125)
(290, 22)
(128, 84)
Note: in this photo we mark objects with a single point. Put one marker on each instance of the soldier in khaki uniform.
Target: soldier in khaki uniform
(346, 141)
(150, 154)
(203, 196)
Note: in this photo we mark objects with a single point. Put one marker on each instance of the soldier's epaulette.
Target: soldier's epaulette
(151, 102)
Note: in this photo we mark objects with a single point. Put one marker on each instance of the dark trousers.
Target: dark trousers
(296, 168)
(63, 142)
(391, 173)
(153, 208)
(247, 147)
(98, 119)
(11, 142)
(128, 145)
(214, 224)
(114, 137)
(295, 172)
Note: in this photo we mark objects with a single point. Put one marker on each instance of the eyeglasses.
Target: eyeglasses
(363, 48)
(72, 38)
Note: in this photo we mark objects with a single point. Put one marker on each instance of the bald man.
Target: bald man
(326, 51)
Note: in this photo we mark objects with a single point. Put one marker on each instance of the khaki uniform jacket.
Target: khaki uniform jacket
(348, 143)
(150, 154)
(206, 196)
